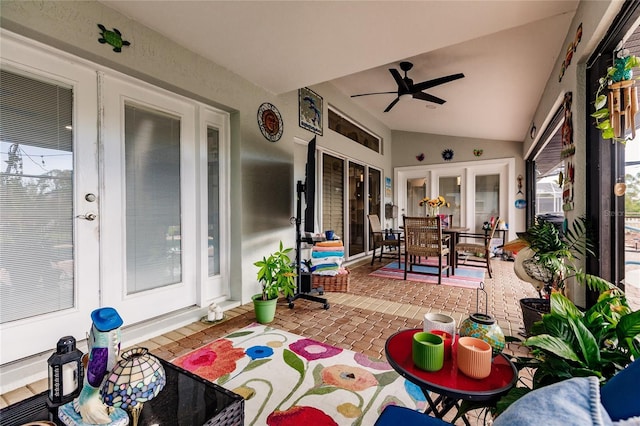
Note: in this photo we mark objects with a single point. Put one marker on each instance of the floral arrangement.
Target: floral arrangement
(620, 71)
(434, 204)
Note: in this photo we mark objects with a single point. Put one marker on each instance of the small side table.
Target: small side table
(451, 385)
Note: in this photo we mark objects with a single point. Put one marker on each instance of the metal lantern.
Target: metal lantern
(65, 372)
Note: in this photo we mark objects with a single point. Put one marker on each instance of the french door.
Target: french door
(113, 192)
(149, 227)
(476, 191)
(49, 199)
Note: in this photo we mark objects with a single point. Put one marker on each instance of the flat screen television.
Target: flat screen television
(310, 187)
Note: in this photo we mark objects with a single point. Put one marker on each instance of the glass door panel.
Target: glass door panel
(154, 239)
(449, 188)
(487, 199)
(416, 191)
(375, 200)
(356, 209)
(213, 201)
(333, 194)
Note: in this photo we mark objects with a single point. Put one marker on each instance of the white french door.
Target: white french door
(49, 198)
(476, 190)
(148, 238)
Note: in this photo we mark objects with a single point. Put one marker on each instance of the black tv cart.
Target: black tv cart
(303, 280)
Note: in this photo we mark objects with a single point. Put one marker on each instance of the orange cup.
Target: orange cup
(474, 357)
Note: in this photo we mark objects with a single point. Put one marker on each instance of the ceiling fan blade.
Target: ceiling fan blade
(436, 82)
(376, 93)
(392, 104)
(402, 85)
(429, 98)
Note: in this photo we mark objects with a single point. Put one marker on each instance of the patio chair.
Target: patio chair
(480, 244)
(423, 237)
(381, 239)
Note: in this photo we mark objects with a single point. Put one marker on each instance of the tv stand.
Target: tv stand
(303, 289)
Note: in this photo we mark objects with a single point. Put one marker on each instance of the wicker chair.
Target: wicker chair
(380, 239)
(480, 243)
(423, 237)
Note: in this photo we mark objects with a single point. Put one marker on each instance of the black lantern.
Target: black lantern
(65, 372)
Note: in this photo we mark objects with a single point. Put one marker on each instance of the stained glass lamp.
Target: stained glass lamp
(137, 378)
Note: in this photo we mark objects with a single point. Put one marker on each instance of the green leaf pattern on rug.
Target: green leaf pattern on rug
(238, 334)
(386, 378)
(293, 361)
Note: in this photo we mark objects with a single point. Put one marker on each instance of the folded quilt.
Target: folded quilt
(327, 267)
(316, 248)
(337, 243)
(327, 260)
(320, 254)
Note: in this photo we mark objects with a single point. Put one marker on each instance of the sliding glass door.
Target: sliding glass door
(356, 208)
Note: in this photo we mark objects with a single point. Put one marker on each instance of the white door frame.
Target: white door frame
(505, 167)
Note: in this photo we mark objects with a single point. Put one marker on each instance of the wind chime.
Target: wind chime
(623, 100)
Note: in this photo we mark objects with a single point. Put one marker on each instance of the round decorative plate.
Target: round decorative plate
(270, 122)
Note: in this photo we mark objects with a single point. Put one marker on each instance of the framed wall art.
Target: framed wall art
(310, 110)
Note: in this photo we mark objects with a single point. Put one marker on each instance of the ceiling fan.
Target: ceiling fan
(406, 87)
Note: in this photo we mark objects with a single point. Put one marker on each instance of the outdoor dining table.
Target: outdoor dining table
(451, 385)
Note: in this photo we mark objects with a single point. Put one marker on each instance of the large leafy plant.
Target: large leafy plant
(276, 274)
(570, 343)
(555, 254)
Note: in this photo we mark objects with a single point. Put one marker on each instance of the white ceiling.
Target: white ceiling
(506, 49)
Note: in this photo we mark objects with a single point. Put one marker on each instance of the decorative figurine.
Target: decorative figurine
(104, 348)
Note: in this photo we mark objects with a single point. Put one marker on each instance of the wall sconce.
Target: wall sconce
(458, 180)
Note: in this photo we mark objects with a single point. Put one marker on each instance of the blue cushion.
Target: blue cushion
(621, 394)
(394, 415)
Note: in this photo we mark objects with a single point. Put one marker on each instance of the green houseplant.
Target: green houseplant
(276, 275)
(570, 343)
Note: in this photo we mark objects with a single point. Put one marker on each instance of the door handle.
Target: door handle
(88, 216)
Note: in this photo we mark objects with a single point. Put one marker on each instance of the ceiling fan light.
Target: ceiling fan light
(406, 96)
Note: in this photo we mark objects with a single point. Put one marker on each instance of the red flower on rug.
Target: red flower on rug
(213, 360)
(296, 416)
(313, 350)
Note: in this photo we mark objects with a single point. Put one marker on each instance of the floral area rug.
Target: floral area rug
(465, 276)
(287, 379)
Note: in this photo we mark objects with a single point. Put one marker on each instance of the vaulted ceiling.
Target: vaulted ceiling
(505, 49)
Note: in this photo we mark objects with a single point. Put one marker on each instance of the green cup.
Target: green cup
(428, 351)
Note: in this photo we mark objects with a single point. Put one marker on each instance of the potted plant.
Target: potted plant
(276, 275)
(570, 343)
(546, 259)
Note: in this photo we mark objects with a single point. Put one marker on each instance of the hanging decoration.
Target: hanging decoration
(568, 148)
(567, 187)
(617, 96)
(447, 154)
(521, 202)
(112, 38)
(571, 49)
(477, 152)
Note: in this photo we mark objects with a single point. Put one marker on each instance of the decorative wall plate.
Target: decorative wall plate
(270, 122)
(447, 154)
